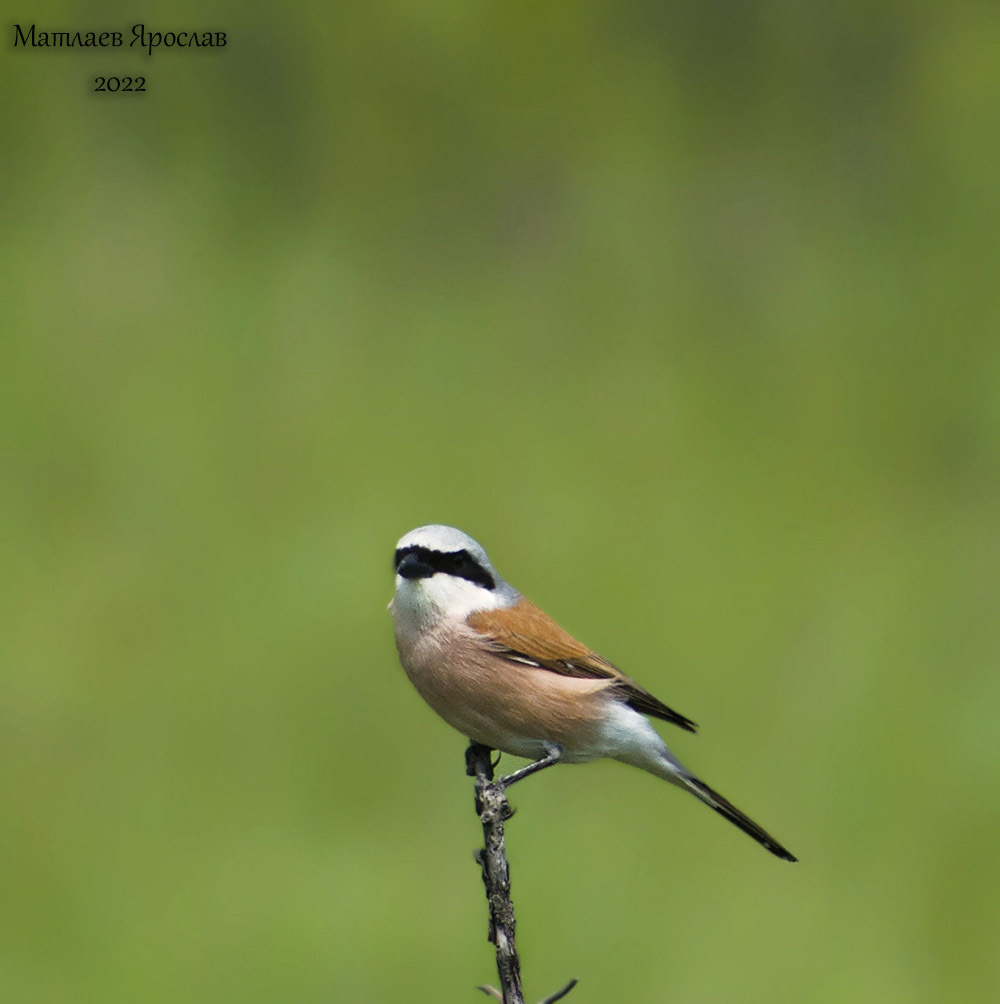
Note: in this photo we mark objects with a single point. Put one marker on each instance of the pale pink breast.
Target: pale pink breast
(504, 705)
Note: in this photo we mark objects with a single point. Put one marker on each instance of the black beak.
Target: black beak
(411, 567)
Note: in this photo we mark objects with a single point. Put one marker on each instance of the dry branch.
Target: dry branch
(494, 810)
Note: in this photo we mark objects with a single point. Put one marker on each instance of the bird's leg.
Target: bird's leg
(554, 755)
(473, 753)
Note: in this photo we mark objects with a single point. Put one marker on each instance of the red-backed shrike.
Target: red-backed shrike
(504, 674)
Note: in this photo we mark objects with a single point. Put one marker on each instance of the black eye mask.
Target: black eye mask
(458, 563)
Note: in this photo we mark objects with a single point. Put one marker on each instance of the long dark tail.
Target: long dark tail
(729, 811)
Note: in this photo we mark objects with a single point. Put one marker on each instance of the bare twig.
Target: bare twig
(494, 810)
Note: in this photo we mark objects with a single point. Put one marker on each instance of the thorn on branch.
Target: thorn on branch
(551, 999)
(559, 994)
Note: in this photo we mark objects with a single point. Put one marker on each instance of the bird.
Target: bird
(504, 674)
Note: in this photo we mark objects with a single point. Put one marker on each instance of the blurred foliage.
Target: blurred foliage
(689, 315)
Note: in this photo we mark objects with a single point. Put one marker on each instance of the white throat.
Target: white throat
(420, 604)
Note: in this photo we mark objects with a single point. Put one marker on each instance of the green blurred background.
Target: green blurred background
(689, 315)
